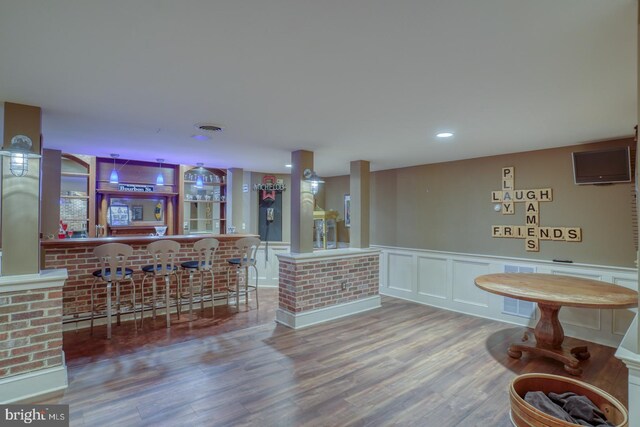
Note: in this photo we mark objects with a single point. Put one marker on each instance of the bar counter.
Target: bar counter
(76, 255)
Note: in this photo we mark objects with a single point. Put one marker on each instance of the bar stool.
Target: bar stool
(206, 250)
(113, 258)
(248, 247)
(163, 253)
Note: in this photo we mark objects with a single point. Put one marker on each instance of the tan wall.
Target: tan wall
(447, 207)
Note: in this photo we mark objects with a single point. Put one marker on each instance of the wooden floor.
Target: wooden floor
(403, 364)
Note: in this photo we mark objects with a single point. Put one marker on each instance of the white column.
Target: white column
(628, 353)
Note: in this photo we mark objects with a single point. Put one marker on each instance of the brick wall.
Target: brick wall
(30, 330)
(81, 263)
(310, 284)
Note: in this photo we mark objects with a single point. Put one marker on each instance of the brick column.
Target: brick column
(314, 288)
(30, 330)
(31, 356)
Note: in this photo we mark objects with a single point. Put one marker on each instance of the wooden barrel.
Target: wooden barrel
(525, 415)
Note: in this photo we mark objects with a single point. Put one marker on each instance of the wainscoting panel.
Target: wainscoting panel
(401, 273)
(566, 272)
(581, 317)
(432, 277)
(445, 280)
(268, 267)
(621, 321)
(622, 318)
(464, 289)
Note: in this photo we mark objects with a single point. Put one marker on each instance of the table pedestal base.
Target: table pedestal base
(571, 357)
(548, 342)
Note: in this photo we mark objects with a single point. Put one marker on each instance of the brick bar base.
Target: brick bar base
(81, 263)
(31, 333)
(326, 285)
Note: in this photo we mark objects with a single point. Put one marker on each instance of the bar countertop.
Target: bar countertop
(94, 241)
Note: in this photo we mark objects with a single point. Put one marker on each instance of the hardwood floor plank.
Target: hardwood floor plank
(402, 364)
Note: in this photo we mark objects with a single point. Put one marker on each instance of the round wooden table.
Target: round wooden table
(551, 292)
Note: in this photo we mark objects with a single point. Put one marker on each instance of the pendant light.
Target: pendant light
(160, 177)
(312, 177)
(19, 153)
(113, 178)
(199, 180)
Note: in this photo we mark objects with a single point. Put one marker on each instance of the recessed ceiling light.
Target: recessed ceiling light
(444, 135)
(200, 137)
(208, 127)
(288, 166)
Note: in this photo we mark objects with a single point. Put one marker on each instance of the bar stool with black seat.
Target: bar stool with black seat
(113, 261)
(163, 253)
(248, 247)
(206, 250)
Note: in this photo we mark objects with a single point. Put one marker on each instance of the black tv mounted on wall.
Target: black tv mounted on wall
(606, 166)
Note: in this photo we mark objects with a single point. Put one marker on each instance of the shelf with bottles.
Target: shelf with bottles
(203, 199)
(204, 225)
(77, 193)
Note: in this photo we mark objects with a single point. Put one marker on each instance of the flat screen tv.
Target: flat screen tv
(606, 166)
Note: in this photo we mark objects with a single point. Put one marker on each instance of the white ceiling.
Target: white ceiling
(347, 79)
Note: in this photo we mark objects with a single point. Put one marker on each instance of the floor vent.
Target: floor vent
(516, 307)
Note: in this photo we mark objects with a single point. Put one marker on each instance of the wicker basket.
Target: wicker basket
(525, 415)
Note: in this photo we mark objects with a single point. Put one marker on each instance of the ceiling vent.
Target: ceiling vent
(209, 127)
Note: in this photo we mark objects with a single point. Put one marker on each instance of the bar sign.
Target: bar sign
(136, 188)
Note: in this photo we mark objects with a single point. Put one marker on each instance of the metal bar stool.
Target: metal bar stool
(248, 247)
(206, 250)
(163, 253)
(113, 258)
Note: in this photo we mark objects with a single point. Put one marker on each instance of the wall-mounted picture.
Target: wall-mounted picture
(347, 210)
(136, 213)
(119, 215)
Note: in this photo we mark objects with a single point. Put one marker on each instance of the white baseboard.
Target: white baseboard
(325, 314)
(28, 386)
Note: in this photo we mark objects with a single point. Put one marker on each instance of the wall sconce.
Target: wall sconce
(113, 178)
(19, 154)
(199, 180)
(160, 177)
(313, 178)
